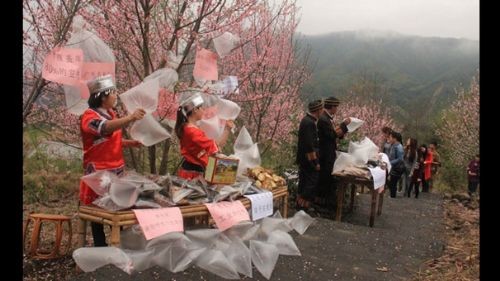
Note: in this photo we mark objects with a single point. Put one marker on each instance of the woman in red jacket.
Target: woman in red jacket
(102, 140)
(427, 168)
(195, 145)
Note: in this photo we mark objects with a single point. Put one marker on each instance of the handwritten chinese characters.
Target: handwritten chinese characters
(156, 222)
(63, 66)
(262, 205)
(227, 214)
(205, 65)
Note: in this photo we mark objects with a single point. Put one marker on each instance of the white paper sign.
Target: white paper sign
(230, 84)
(262, 205)
(354, 124)
(378, 177)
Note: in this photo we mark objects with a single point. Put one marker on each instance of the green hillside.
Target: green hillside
(415, 76)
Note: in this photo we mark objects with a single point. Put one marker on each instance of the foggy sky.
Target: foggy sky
(441, 18)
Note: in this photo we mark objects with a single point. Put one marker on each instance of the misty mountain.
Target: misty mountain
(415, 76)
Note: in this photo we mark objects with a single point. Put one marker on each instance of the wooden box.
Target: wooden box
(221, 170)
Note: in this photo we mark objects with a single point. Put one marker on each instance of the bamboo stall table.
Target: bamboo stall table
(344, 181)
(117, 219)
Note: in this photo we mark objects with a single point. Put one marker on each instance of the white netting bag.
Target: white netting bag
(144, 95)
(227, 110)
(225, 43)
(166, 77)
(94, 50)
(148, 131)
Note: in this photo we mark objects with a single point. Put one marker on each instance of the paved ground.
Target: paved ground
(409, 232)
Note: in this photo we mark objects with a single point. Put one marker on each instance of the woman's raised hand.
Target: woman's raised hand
(138, 114)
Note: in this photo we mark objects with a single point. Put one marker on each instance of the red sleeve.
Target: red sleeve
(92, 123)
(204, 142)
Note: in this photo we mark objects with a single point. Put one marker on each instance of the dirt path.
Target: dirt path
(408, 233)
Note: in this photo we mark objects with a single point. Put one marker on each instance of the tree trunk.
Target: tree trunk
(164, 160)
(40, 83)
(152, 159)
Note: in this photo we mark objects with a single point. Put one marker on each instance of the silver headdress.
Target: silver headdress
(101, 84)
(191, 103)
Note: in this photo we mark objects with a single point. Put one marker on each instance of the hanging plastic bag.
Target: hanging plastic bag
(148, 131)
(144, 95)
(230, 85)
(173, 60)
(166, 77)
(228, 110)
(225, 43)
(216, 88)
(94, 50)
(74, 102)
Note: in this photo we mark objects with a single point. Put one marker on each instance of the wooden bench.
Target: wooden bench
(118, 219)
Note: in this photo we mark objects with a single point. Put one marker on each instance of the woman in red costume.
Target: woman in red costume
(102, 140)
(195, 145)
(427, 168)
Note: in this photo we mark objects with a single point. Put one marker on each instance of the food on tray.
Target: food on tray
(266, 178)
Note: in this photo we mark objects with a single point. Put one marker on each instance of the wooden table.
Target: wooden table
(117, 219)
(343, 183)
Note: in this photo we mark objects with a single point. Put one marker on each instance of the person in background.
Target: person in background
(416, 174)
(473, 175)
(328, 134)
(194, 143)
(386, 145)
(101, 132)
(435, 163)
(307, 156)
(396, 159)
(427, 169)
(409, 158)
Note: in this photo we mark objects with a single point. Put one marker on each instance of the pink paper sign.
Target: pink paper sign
(205, 65)
(84, 89)
(227, 214)
(91, 70)
(63, 65)
(156, 222)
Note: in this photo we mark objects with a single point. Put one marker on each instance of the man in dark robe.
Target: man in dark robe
(307, 155)
(328, 134)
